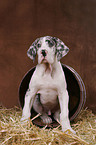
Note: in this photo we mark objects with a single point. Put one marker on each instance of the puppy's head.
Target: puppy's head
(47, 48)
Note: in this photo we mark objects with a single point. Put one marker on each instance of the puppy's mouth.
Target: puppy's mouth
(44, 60)
(47, 65)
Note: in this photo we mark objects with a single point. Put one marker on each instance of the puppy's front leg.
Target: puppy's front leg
(64, 119)
(28, 102)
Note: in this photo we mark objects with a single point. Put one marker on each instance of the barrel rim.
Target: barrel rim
(82, 92)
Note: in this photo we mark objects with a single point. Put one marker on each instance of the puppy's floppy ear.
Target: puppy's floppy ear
(61, 48)
(32, 51)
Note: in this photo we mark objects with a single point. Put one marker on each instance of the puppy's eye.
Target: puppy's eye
(50, 43)
(38, 45)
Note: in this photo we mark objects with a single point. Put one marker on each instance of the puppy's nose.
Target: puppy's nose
(44, 52)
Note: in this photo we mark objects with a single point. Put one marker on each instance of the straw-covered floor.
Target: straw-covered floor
(12, 132)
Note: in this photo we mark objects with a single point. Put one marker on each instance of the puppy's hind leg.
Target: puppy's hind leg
(57, 115)
(37, 106)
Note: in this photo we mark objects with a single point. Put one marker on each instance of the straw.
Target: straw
(13, 132)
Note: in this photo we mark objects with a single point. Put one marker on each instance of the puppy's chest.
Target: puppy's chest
(48, 96)
(47, 81)
(47, 89)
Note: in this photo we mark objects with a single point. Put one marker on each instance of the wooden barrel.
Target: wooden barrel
(75, 87)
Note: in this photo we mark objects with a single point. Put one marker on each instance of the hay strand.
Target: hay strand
(13, 132)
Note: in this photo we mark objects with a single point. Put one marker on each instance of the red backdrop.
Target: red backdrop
(21, 22)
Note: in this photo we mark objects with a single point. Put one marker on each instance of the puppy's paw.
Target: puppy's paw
(65, 130)
(24, 119)
(46, 119)
(73, 131)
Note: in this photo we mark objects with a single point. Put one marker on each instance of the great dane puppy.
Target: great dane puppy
(47, 92)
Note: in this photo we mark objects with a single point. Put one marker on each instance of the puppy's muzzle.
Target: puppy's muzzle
(44, 52)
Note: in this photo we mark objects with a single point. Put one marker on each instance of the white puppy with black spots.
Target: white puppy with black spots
(47, 92)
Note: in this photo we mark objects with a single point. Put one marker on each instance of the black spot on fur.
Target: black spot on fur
(50, 43)
(38, 45)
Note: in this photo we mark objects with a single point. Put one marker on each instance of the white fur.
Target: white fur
(50, 53)
(48, 79)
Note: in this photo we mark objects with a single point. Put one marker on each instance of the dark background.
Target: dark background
(21, 22)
